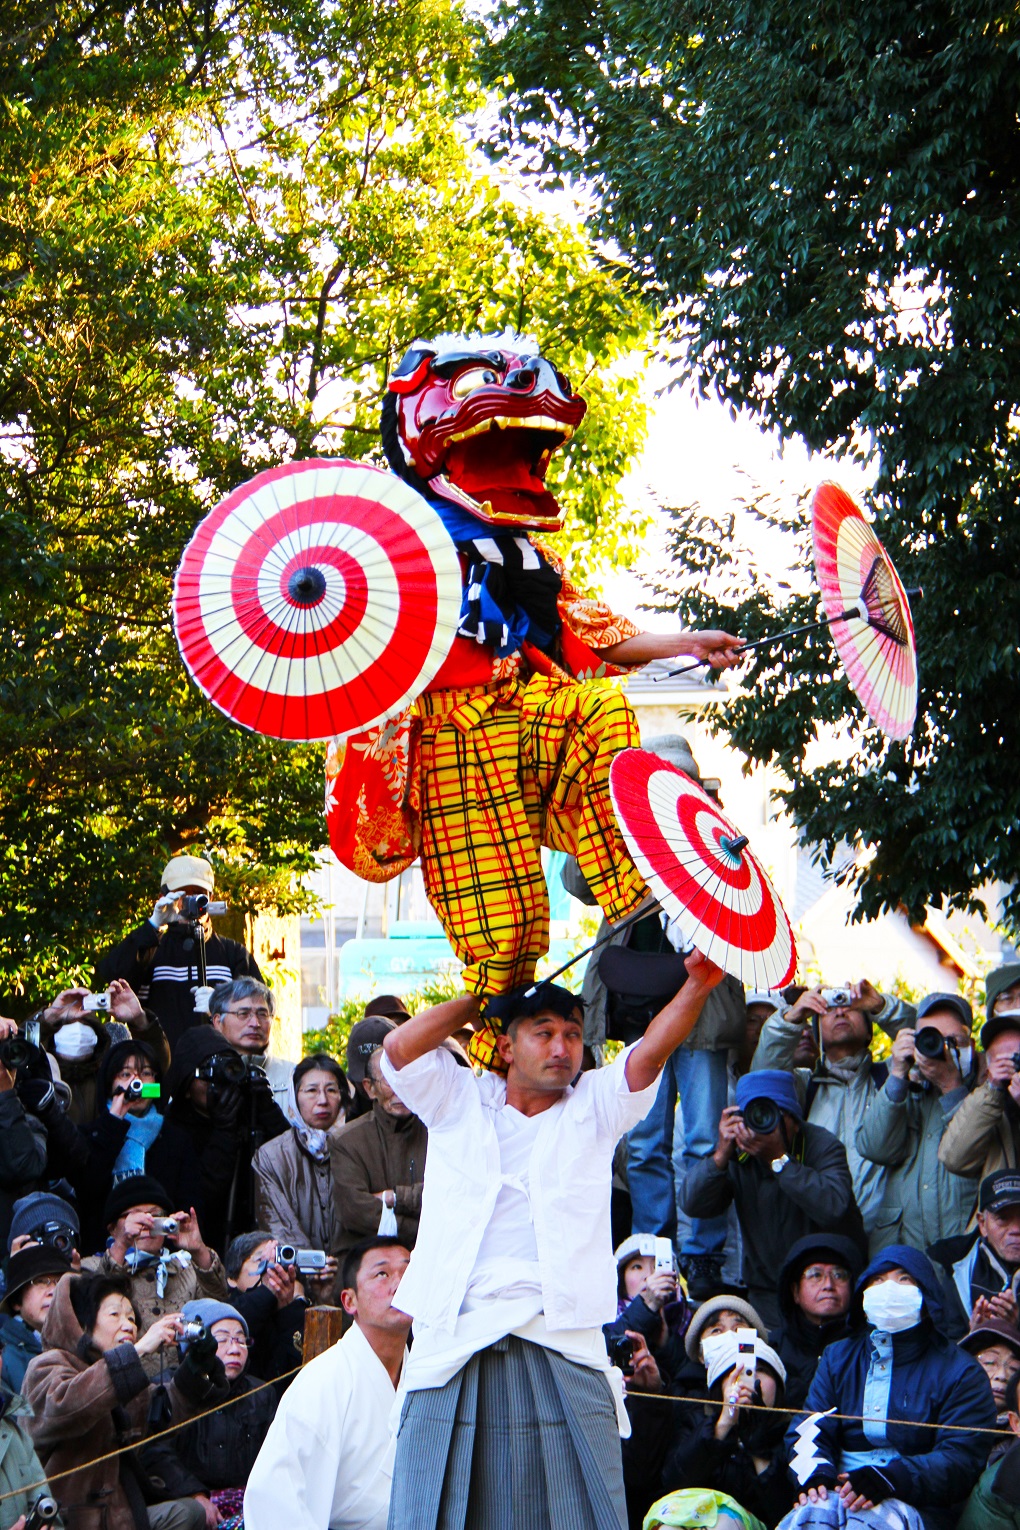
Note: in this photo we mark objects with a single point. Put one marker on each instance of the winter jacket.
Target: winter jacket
(294, 1197)
(984, 1134)
(19, 1465)
(21, 1344)
(838, 1096)
(223, 1142)
(995, 1502)
(903, 1129)
(668, 1352)
(277, 1333)
(929, 1381)
(377, 1152)
(170, 1159)
(86, 1404)
(968, 1268)
(796, 1340)
(696, 1459)
(813, 1193)
(163, 969)
(184, 1282)
(219, 1449)
(22, 1157)
(82, 1077)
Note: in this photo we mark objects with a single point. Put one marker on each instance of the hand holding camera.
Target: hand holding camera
(184, 908)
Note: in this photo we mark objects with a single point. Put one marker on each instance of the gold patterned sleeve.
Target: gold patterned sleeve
(591, 620)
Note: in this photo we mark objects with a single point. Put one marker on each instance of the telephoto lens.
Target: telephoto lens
(930, 1042)
(762, 1116)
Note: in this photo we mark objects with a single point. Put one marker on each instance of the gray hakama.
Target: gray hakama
(520, 1439)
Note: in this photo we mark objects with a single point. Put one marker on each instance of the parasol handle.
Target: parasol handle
(639, 913)
(779, 637)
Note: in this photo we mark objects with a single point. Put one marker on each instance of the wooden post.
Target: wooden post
(324, 1327)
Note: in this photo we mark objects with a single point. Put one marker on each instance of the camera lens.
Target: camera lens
(15, 1053)
(930, 1042)
(762, 1116)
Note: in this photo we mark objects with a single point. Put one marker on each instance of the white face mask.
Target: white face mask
(75, 1041)
(716, 1344)
(893, 1307)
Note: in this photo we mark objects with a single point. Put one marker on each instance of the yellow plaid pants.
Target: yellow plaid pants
(503, 772)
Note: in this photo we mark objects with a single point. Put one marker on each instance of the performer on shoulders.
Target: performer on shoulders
(513, 1275)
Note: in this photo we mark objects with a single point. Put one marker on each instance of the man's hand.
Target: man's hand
(124, 1003)
(137, 1224)
(212, 1513)
(1001, 1308)
(646, 1376)
(1002, 1074)
(388, 1197)
(164, 911)
(764, 1148)
(942, 1071)
(730, 1123)
(66, 1006)
(810, 1003)
(189, 1237)
(660, 1289)
(901, 1059)
(867, 998)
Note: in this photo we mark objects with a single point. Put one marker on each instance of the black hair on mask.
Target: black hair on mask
(505, 1008)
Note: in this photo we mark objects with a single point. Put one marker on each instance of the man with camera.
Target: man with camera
(984, 1134)
(786, 1176)
(931, 1070)
(837, 1092)
(22, 1136)
(242, 1012)
(378, 1164)
(162, 958)
(222, 1099)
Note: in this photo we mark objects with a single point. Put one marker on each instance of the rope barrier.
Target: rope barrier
(843, 1418)
(120, 1450)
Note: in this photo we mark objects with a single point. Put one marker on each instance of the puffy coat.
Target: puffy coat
(20, 1468)
(219, 1449)
(903, 1129)
(930, 1382)
(837, 1096)
(378, 1152)
(797, 1341)
(813, 1193)
(294, 1197)
(86, 1404)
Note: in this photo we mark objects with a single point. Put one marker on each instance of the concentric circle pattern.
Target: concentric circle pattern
(317, 599)
(877, 648)
(721, 897)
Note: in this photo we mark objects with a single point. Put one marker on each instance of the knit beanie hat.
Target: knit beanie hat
(205, 1309)
(136, 1190)
(708, 1310)
(32, 1211)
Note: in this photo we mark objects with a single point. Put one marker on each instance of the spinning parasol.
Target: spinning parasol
(867, 611)
(700, 869)
(317, 599)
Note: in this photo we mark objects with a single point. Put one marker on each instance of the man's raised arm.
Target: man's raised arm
(429, 1029)
(671, 1025)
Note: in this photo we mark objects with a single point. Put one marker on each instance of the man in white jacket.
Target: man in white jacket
(327, 1461)
(509, 1419)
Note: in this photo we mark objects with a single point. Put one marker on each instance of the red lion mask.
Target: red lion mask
(483, 414)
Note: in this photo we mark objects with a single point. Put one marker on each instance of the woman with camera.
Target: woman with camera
(293, 1181)
(219, 1449)
(90, 1395)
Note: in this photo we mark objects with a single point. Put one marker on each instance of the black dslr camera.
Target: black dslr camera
(229, 1070)
(930, 1042)
(762, 1116)
(55, 1235)
(16, 1052)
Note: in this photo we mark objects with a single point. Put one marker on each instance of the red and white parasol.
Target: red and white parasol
(700, 869)
(877, 643)
(317, 599)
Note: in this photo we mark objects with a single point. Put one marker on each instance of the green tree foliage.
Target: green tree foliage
(219, 226)
(824, 201)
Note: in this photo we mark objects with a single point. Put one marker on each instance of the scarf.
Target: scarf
(142, 1132)
(510, 594)
(136, 1261)
(314, 1142)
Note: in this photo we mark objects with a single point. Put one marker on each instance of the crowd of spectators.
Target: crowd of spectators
(818, 1272)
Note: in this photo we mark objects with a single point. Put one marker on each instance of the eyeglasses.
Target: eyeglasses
(815, 1275)
(246, 1014)
(234, 1341)
(331, 1091)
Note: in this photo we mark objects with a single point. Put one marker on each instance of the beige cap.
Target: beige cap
(187, 871)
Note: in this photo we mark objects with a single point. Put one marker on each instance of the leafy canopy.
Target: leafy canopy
(219, 227)
(825, 203)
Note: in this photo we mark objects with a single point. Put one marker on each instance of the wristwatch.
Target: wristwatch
(779, 1164)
